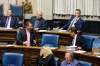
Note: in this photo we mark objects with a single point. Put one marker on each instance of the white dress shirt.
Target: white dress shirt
(72, 24)
(28, 36)
(74, 40)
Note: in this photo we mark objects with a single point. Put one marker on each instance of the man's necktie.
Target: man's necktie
(72, 23)
(7, 20)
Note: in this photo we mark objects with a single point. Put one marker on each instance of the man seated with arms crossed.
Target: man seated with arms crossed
(26, 36)
(38, 21)
(75, 21)
(9, 21)
(77, 39)
(69, 60)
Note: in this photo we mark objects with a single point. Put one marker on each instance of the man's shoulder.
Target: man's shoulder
(63, 62)
(3, 16)
(81, 19)
(75, 61)
(22, 29)
(72, 17)
(43, 19)
(33, 17)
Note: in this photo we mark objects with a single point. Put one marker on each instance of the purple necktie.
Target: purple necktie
(7, 20)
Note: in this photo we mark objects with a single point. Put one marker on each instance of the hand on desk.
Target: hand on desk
(79, 48)
(26, 43)
(35, 42)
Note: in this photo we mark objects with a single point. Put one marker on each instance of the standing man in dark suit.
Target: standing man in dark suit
(26, 36)
(38, 21)
(9, 21)
(75, 21)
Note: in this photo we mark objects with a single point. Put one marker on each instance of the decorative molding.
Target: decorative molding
(27, 6)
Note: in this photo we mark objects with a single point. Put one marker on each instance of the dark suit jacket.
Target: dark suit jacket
(22, 36)
(78, 25)
(42, 23)
(48, 61)
(79, 41)
(13, 23)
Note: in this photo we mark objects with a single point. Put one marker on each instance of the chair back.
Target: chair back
(88, 42)
(17, 10)
(84, 63)
(50, 40)
(12, 59)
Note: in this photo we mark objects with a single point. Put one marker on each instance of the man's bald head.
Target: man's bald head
(9, 12)
(39, 14)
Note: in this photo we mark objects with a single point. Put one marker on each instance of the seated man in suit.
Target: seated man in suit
(75, 21)
(26, 36)
(9, 21)
(38, 21)
(69, 60)
(77, 39)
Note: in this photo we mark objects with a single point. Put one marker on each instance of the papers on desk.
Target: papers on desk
(71, 48)
(53, 48)
(42, 30)
(80, 51)
(98, 56)
(60, 31)
(9, 45)
(2, 28)
(8, 28)
(63, 31)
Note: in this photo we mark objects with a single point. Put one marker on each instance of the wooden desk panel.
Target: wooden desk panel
(7, 35)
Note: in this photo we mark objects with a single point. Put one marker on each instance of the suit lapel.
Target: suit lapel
(11, 22)
(5, 20)
(24, 35)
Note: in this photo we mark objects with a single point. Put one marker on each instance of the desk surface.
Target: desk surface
(34, 47)
(4, 29)
(7, 35)
(46, 31)
(53, 32)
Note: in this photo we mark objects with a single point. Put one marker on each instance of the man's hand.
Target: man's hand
(34, 41)
(26, 43)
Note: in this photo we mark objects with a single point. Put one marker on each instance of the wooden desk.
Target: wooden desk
(7, 35)
(89, 57)
(31, 53)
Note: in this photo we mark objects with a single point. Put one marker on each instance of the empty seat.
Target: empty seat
(50, 39)
(12, 59)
